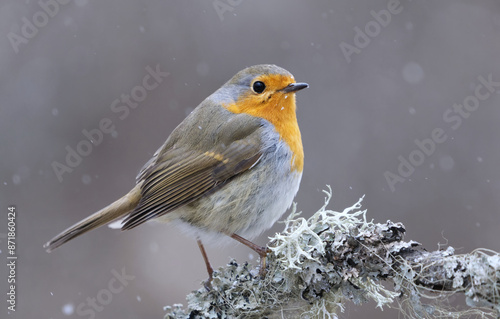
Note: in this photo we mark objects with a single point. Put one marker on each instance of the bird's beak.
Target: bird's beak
(294, 87)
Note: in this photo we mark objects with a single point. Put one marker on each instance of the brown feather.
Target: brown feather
(168, 186)
(109, 213)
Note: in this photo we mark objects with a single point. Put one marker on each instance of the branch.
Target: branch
(319, 263)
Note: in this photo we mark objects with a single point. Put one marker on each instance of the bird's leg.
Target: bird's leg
(210, 270)
(262, 251)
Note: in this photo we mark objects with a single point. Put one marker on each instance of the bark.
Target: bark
(318, 264)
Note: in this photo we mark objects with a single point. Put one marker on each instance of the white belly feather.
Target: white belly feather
(250, 203)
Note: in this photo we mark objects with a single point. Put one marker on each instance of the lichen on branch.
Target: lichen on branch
(319, 263)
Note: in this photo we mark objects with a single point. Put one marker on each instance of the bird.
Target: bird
(230, 169)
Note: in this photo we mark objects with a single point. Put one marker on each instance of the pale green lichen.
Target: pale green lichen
(296, 243)
(317, 264)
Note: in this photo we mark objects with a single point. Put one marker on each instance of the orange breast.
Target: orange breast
(279, 109)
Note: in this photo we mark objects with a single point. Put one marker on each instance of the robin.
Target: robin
(231, 168)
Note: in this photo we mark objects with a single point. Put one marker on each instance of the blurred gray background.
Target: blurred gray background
(364, 109)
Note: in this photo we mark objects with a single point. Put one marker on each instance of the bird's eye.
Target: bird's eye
(259, 87)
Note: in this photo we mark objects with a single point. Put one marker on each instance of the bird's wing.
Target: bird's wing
(146, 167)
(188, 175)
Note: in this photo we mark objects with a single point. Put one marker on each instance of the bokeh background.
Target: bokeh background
(357, 118)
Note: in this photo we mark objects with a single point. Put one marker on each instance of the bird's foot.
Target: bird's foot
(208, 284)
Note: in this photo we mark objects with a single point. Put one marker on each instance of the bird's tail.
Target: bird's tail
(109, 213)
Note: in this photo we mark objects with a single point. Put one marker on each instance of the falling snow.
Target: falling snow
(446, 163)
(413, 73)
(86, 179)
(397, 77)
(68, 309)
